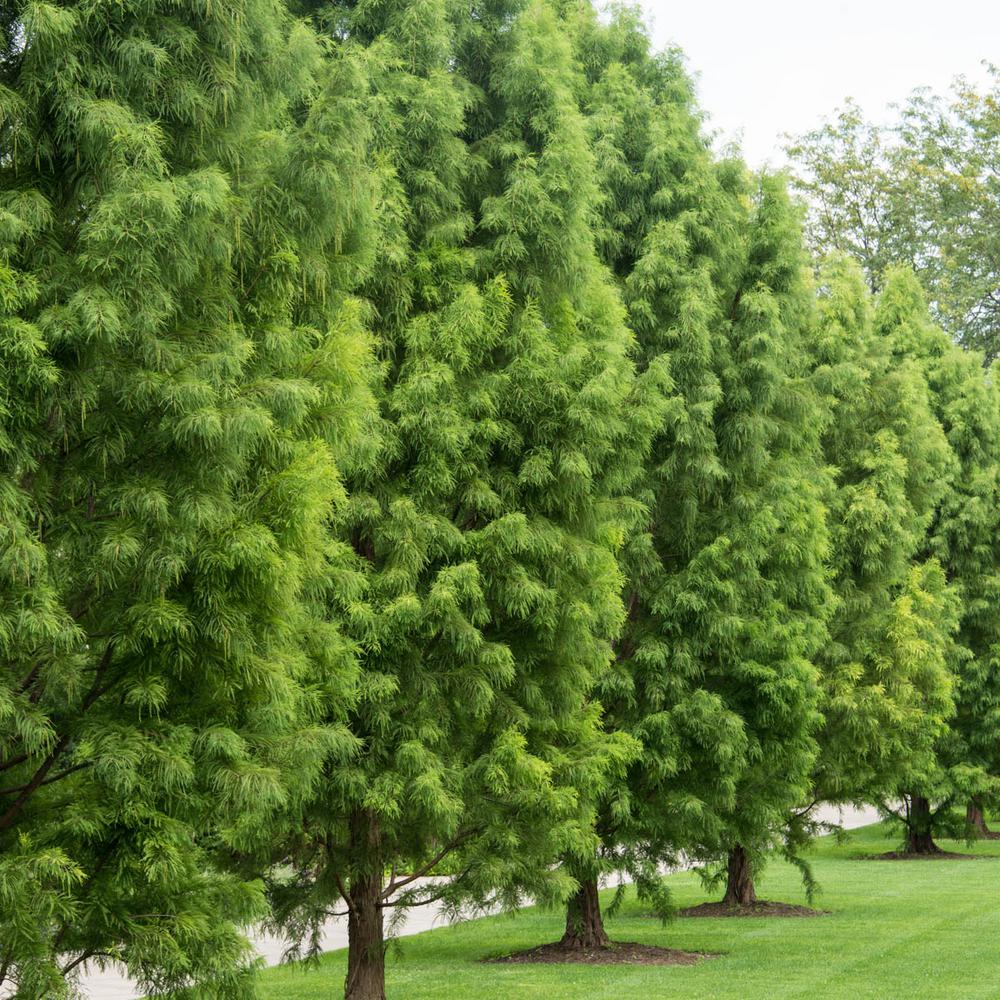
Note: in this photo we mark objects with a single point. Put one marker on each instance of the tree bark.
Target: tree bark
(584, 924)
(739, 881)
(365, 942)
(919, 827)
(976, 820)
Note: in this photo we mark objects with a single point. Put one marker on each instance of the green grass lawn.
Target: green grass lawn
(898, 930)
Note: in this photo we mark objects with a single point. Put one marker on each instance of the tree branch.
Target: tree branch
(430, 899)
(799, 814)
(6, 765)
(49, 781)
(84, 956)
(342, 889)
(395, 885)
(37, 780)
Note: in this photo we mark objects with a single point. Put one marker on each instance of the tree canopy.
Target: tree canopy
(885, 679)
(181, 373)
(920, 191)
(431, 472)
(483, 590)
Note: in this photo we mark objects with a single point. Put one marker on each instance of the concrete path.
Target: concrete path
(114, 985)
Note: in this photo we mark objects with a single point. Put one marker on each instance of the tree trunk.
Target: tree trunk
(584, 926)
(739, 881)
(975, 819)
(365, 943)
(919, 827)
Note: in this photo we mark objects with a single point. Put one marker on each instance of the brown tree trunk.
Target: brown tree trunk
(584, 926)
(975, 819)
(919, 827)
(365, 943)
(739, 880)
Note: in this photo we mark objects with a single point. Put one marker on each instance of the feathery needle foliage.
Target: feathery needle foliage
(180, 370)
(483, 589)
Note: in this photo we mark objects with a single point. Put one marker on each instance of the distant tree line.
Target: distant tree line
(922, 191)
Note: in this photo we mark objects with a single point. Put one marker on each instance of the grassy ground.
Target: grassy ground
(898, 930)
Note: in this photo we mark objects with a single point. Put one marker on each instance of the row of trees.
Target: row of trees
(420, 452)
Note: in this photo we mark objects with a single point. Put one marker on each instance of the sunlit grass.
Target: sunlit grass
(904, 930)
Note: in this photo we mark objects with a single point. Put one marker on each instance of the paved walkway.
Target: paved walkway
(114, 985)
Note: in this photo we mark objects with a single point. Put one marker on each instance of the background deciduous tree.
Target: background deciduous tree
(921, 191)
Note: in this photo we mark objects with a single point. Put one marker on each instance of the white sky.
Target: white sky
(766, 67)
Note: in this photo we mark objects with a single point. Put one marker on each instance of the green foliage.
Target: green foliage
(669, 235)
(726, 587)
(483, 589)
(921, 191)
(753, 600)
(857, 198)
(964, 535)
(180, 369)
(886, 682)
(419, 450)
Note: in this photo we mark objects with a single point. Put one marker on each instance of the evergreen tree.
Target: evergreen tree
(964, 538)
(670, 235)
(755, 595)
(885, 680)
(179, 369)
(726, 587)
(484, 589)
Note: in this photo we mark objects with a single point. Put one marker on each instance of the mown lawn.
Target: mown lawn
(898, 930)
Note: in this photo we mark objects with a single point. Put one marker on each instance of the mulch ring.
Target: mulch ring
(933, 856)
(616, 953)
(762, 908)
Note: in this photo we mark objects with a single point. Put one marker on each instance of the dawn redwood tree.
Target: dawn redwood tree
(967, 542)
(751, 601)
(885, 680)
(964, 538)
(726, 590)
(484, 589)
(670, 233)
(180, 371)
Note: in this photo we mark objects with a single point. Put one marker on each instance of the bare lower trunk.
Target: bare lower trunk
(919, 827)
(739, 879)
(584, 926)
(365, 943)
(975, 819)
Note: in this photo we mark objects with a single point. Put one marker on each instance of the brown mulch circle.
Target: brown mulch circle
(762, 908)
(910, 856)
(616, 953)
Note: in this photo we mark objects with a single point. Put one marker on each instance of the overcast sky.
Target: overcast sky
(766, 67)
